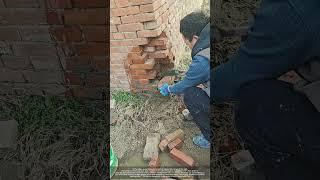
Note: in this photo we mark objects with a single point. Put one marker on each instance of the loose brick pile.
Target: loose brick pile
(171, 143)
(53, 47)
(144, 40)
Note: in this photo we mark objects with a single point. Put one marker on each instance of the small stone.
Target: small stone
(112, 103)
(187, 115)
(242, 160)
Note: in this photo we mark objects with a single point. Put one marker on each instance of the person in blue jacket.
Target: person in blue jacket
(278, 121)
(195, 30)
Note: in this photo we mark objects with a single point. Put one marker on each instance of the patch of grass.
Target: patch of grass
(58, 138)
(125, 98)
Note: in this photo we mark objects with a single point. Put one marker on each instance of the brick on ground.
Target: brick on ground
(177, 143)
(182, 158)
(151, 148)
(163, 145)
(176, 134)
(8, 134)
(154, 164)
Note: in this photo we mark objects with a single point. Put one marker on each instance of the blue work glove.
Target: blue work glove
(164, 89)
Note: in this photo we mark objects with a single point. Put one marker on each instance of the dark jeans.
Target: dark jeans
(281, 128)
(197, 102)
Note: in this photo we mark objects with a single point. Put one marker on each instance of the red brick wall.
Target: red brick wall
(145, 39)
(55, 47)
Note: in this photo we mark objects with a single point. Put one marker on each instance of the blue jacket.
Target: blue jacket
(199, 70)
(284, 36)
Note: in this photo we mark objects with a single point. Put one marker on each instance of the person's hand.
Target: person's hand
(166, 79)
(164, 90)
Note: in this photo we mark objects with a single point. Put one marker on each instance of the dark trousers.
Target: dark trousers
(197, 102)
(281, 128)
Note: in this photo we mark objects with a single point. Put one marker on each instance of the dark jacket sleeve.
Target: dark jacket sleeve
(277, 42)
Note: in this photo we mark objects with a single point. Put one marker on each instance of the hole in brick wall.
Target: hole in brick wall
(144, 64)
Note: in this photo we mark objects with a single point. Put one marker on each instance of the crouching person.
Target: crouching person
(195, 86)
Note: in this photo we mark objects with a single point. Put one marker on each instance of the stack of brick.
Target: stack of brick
(53, 47)
(144, 65)
(141, 40)
(173, 143)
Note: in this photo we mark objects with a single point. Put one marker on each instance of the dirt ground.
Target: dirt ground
(157, 115)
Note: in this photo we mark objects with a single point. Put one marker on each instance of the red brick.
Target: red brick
(35, 33)
(120, 49)
(182, 158)
(46, 62)
(78, 63)
(21, 3)
(8, 75)
(146, 8)
(123, 42)
(151, 25)
(130, 35)
(137, 49)
(54, 17)
(139, 72)
(159, 54)
(148, 65)
(144, 81)
(59, 4)
(73, 79)
(118, 36)
(95, 33)
(68, 34)
(174, 135)
(144, 17)
(44, 77)
(150, 49)
(113, 29)
(16, 62)
(89, 17)
(130, 27)
(129, 19)
(100, 63)
(140, 41)
(91, 49)
(159, 41)
(34, 49)
(177, 143)
(22, 16)
(122, 3)
(150, 75)
(96, 80)
(163, 145)
(9, 34)
(136, 59)
(149, 33)
(115, 20)
(140, 2)
(154, 164)
(89, 3)
(112, 4)
(125, 11)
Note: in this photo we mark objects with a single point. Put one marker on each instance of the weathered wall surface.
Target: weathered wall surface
(53, 47)
(145, 39)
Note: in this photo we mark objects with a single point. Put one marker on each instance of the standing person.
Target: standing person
(278, 121)
(195, 30)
